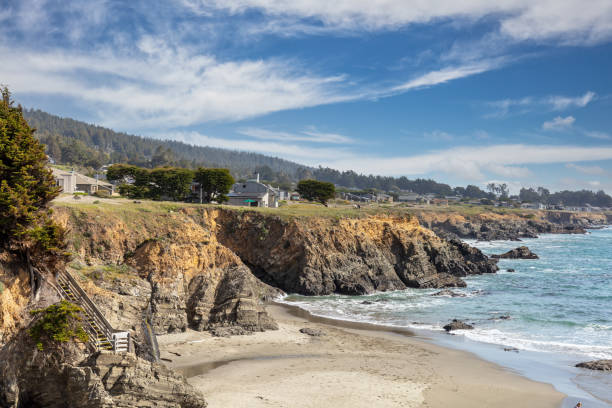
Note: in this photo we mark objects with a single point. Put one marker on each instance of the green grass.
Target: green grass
(131, 211)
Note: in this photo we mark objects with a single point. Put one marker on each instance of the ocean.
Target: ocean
(539, 320)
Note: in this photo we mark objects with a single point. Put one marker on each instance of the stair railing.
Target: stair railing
(120, 340)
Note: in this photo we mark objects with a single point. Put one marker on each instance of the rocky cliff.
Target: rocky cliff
(204, 267)
(317, 256)
(169, 268)
(67, 376)
(510, 225)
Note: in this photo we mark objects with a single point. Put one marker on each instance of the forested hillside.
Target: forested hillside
(88, 147)
(73, 142)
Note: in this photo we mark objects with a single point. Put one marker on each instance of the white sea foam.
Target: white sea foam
(494, 336)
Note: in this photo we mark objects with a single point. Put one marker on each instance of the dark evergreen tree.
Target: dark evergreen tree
(214, 184)
(319, 191)
(26, 188)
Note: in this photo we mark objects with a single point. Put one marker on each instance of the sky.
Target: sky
(465, 92)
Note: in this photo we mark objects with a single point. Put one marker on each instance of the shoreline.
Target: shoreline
(351, 365)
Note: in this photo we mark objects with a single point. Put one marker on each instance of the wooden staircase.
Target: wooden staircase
(102, 336)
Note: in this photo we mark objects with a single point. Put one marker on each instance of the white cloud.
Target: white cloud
(472, 162)
(559, 123)
(598, 135)
(168, 87)
(594, 170)
(594, 183)
(568, 21)
(529, 103)
(311, 136)
(290, 151)
(564, 102)
(447, 74)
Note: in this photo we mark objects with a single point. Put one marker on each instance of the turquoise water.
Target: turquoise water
(560, 306)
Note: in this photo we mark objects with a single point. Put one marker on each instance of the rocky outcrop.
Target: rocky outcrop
(457, 325)
(448, 293)
(168, 269)
(601, 365)
(521, 252)
(317, 256)
(490, 226)
(72, 378)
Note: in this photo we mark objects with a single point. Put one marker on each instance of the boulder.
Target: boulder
(448, 293)
(457, 325)
(601, 365)
(312, 332)
(230, 331)
(521, 252)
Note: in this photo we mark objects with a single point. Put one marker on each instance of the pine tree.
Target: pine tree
(26, 188)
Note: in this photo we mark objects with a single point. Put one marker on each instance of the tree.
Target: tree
(58, 323)
(214, 184)
(319, 191)
(26, 188)
(170, 182)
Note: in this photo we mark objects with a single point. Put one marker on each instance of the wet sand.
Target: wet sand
(352, 365)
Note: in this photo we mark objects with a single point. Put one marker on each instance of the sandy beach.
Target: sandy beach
(345, 367)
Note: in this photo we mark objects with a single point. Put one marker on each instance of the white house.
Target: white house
(72, 182)
(534, 206)
(252, 193)
(404, 197)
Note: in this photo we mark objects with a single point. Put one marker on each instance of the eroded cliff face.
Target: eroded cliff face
(68, 376)
(317, 256)
(203, 267)
(491, 226)
(168, 266)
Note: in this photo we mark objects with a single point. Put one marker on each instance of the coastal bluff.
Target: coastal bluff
(205, 267)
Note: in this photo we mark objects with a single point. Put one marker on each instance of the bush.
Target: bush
(58, 323)
(102, 193)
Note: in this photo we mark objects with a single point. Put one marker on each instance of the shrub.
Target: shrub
(58, 323)
(102, 193)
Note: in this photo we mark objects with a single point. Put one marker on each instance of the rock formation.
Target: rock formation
(601, 365)
(73, 378)
(490, 226)
(521, 252)
(457, 325)
(317, 256)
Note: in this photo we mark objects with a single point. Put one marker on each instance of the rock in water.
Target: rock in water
(521, 252)
(312, 332)
(601, 365)
(457, 325)
(449, 293)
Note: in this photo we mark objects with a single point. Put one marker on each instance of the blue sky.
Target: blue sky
(464, 92)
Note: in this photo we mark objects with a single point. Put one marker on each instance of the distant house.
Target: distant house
(384, 198)
(406, 197)
(72, 182)
(252, 193)
(534, 206)
(453, 198)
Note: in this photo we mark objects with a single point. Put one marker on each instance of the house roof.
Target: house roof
(246, 195)
(80, 179)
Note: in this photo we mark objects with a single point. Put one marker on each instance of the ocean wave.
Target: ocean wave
(495, 336)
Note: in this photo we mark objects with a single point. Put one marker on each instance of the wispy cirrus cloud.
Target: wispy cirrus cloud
(559, 123)
(566, 21)
(505, 107)
(447, 74)
(309, 136)
(593, 170)
(166, 86)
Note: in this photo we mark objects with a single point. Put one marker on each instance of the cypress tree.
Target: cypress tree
(26, 188)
